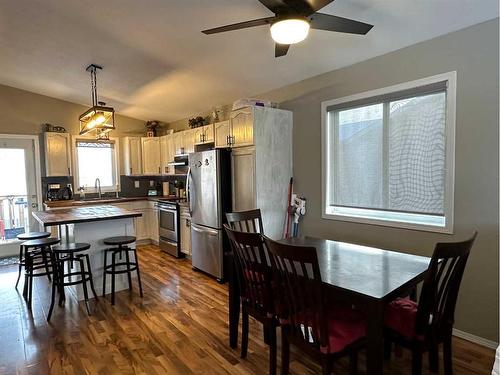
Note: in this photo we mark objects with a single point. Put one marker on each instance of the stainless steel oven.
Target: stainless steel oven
(168, 221)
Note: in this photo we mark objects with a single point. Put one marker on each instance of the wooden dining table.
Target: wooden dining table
(365, 276)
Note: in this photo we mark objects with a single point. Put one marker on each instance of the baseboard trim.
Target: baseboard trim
(475, 339)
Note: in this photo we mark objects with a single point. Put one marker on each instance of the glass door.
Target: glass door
(18, 189)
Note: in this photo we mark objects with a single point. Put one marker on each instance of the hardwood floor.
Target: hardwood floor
(180, 327)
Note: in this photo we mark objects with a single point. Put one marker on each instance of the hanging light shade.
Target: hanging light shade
(98, 118)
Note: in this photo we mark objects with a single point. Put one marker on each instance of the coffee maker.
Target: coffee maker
(57, 193)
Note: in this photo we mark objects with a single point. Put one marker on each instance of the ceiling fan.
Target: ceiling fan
(292, 21)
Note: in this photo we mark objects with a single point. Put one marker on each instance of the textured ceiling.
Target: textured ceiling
(158, 65)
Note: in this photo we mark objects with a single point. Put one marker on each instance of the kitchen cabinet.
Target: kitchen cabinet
(241, 127)
(243, 180)
(178, 141)
(151, 156)
(132, 156)
(185, 230)
(261, 173)
(188, 140)
(167, 154)
(204, 134)
(237, 131)
(57, 154)
(152, 214)
(222, 134)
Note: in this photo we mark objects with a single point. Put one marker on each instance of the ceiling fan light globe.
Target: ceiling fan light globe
(290, 31)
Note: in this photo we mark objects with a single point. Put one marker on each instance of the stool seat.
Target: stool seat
(120, 240)
(72, 247)
(32, 236)
(42, 242)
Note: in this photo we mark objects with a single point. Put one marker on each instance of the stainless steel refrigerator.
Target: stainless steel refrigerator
(209, 194)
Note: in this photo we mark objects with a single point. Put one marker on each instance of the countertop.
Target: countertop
(94, 202)
(82, 215)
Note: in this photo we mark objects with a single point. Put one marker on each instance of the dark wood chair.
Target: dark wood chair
(325, 332)
(246, 221)
(257, 296)
(423, 326)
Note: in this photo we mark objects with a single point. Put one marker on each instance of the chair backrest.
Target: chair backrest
(436, 308)
(303, 293)
(253, 269)
(246, 221)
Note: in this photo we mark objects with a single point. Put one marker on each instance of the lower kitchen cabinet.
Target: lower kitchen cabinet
(152, 214)
(185, 231)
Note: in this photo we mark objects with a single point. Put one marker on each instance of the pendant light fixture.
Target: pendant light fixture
(98, 118)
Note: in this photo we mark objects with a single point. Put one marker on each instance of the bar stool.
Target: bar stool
(26, 237)
(34, 249)
(126, 266)
(70, 253)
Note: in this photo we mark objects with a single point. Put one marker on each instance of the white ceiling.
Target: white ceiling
(158, 65)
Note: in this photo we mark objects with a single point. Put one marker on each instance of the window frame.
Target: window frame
(401, 221)
(116, 165)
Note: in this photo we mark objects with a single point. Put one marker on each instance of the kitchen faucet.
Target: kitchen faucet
(97, 186)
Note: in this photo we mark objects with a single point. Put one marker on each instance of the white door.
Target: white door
(19, 190)
(222, 133)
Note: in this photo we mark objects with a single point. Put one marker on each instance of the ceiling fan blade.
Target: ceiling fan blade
(328, 22)
(318, 4)
(281, 49)
(240, 25)
(273, 5)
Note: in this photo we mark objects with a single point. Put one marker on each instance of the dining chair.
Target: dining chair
(423, 326)
(322, 331)
(257, 293)
(246, 221)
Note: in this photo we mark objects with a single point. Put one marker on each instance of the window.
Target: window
(388, 155)
(96, 159)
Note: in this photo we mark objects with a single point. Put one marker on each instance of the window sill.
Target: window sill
(425, 223)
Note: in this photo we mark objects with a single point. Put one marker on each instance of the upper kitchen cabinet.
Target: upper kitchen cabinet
(242, 127)
(222, 133)
(151, 156)
(204, 134)
(57, 154)
(178, 142)
(167, 153)
(188, 141)
(132, 156)
(238, 131)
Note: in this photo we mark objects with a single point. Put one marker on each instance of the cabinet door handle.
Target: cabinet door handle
(69, 172)
(130, 170)
(159, 170)
(227, 140)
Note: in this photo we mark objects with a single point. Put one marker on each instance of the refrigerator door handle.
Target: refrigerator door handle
(189, 191)
(211, 232)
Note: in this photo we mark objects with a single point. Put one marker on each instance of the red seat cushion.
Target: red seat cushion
(345, 326)
(400, 316)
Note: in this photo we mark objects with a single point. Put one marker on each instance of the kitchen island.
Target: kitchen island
(91, 225)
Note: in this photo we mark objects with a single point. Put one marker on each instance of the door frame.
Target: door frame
(38, 169)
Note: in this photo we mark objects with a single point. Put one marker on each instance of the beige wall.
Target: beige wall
(23, 112)
(473, 53)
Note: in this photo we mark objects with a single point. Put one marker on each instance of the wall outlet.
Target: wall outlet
(151, 183)
(137, 184)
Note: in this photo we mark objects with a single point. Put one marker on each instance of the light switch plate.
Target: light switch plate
(136, 184)
(151, 183)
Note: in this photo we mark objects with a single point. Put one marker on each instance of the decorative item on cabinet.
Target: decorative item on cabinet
(53, 128)
(152, 128)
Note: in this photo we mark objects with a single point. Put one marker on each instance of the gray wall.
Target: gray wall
(473, 53)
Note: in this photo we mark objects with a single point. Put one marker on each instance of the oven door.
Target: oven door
(168, 223)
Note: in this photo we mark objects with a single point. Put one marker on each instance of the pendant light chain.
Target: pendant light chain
(93, 84)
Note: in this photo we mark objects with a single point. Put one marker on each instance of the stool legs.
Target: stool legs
(113, 262)
(129, 275)
(113, 269)
(84, 284)
(55, 283)
(138, 272)
(89, 270)
(21, 248)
